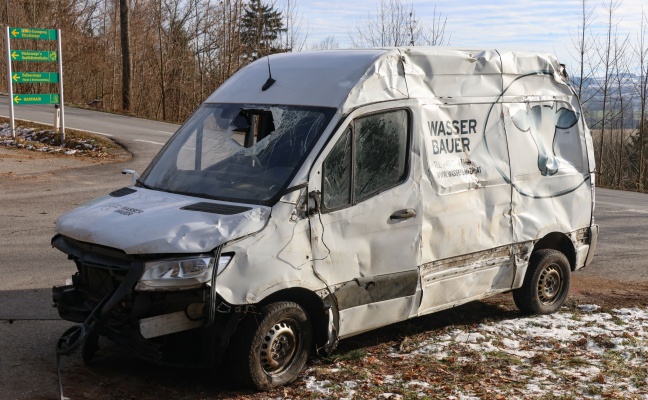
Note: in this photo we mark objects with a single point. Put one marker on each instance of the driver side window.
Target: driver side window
(369, 158)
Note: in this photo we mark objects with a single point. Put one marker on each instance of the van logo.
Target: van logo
(121, 209)
(548, 124)
(535, 121)
(451, 136)
(128, 211)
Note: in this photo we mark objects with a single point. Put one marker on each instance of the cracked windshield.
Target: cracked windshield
(235, 152)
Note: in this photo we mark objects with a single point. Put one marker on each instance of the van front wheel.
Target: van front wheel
(273, 346)
(546, 283)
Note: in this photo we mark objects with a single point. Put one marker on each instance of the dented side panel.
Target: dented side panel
(468, 202)
(279, 257)
(462, 279)
(550, 170)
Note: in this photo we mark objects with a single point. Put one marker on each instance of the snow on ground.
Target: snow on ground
(581, 353)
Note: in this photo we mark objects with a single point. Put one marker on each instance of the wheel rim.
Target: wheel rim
(278, 348)
(549, 284)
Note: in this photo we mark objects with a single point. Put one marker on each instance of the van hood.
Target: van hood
(142, 221)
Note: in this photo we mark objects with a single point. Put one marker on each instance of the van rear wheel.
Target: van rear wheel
(272, 347)
(546, 283)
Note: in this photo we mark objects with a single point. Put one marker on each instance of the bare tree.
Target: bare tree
(396, 24)
(294, 36)
(583, 44)
(623, 103)
(327, 44)
(607, 64)
(641, 88)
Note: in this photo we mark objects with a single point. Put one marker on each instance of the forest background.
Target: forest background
(160, 59)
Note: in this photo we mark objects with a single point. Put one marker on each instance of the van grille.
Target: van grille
(99, 281)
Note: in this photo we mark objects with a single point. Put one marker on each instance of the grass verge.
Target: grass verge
(41, 138)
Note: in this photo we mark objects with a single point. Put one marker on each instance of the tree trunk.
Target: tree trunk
(124, 24)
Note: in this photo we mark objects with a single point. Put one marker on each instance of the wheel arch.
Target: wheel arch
(560, 242)
(312, 304)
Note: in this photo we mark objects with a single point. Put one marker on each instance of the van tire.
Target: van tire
(546, 283)
(271, 348)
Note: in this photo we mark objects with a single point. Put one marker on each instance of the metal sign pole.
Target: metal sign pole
(60, 65)
(10, 85)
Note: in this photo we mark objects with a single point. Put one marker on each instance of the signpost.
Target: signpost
(23, 99)
(34, 34)
(34, 77)
(30, 55)
(17, 78)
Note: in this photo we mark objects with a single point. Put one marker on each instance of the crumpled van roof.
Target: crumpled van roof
(346, 79)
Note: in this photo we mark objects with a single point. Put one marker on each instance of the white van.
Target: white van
(318, 195)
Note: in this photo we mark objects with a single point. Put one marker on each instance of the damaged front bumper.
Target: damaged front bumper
(158, 326)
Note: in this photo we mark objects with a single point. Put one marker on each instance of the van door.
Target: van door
(366, 239)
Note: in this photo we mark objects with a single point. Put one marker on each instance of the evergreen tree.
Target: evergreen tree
(261, 28)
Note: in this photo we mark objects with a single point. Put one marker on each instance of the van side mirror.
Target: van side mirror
(134, 175)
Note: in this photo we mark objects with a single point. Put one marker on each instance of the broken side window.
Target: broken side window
(337, 173)
(370, 157)
(381, 152)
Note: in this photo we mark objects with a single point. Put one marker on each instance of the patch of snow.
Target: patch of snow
(588, 307)
(567, 347)
(391, 396)
(314, 385)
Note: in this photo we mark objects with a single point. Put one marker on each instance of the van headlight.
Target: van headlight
(179, 273)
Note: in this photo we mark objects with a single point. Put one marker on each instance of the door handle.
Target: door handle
(403, 214)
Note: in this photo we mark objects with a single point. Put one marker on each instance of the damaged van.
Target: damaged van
(318, 195)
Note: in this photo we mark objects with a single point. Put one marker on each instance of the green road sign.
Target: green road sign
(32, 33)
(35, 77)
(22, 99)
(32, 55)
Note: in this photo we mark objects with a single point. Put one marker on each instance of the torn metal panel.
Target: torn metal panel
(451, 73)
(465, 278)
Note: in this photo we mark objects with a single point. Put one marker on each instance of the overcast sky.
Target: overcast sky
(540, 25)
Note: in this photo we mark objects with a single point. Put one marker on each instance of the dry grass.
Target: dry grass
(43, 139)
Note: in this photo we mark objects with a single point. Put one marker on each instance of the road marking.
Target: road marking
(148, 141)
(96, 133)
(630, 210)
(638, 211)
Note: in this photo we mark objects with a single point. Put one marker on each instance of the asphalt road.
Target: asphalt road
(622, 252)
(29, 267)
